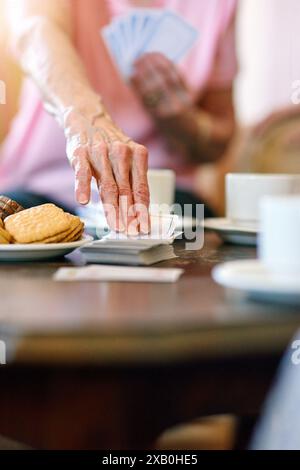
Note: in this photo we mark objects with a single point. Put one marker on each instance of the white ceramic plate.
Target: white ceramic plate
(232, 233)
(253, 278)
(40, 251)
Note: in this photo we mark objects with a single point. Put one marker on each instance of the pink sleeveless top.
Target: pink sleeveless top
(33, 156)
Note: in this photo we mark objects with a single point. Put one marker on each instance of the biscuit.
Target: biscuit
(5, 235)
(76, 231)
(75, 226)
(78, 227)
(8, 207)
(73, 234)
(76, 235)
(3, 241)
(76, 238)
(38, 224)
(62, 237)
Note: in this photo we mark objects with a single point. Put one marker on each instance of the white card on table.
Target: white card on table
(118, 274)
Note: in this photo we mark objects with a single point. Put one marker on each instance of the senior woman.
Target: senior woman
(183, 116)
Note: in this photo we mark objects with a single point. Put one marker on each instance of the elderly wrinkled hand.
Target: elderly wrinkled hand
(160, 86)
(98, 149)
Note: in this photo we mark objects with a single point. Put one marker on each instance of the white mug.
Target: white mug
(279, 240)
(244, 192)
(162, 185)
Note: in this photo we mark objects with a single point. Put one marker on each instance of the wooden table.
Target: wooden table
(111, 365)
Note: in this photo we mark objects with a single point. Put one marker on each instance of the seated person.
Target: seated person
(272, 146)
(182, 116)
(269, 87)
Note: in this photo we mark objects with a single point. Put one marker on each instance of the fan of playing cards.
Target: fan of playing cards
(143, 31)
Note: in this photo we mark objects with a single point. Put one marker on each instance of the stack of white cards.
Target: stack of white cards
(147, 30)
(143, 250)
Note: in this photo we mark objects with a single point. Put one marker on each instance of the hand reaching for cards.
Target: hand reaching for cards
(97, 148)
(41, 35)
(160, 86)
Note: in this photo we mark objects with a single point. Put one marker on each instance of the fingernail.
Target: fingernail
(115, 225)
(145, 224)
(145, 228)
(120, 227)
(133, 228)
(82, 199)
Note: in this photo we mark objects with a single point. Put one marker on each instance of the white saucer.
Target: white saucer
(231, 232)
(253, 278)
(40, 251)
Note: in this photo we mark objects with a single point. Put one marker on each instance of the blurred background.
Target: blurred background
(267, 37)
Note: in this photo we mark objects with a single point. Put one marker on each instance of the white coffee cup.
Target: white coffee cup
(244, 192)
(279, 240)
(162, 185)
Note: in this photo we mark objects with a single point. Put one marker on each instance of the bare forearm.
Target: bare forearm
(41, 33)
(198, 135)
(47, 54)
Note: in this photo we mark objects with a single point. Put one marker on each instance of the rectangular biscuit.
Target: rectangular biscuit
(38, 223)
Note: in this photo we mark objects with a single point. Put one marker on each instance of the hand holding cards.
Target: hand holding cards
(143, 31)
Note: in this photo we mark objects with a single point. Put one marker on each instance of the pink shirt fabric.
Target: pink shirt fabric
(33, 156)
